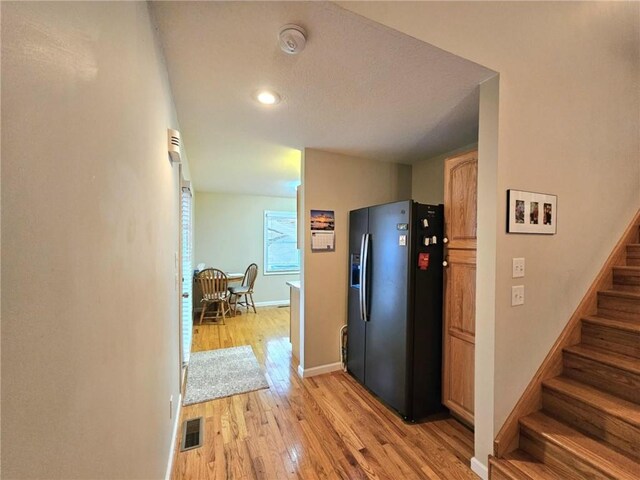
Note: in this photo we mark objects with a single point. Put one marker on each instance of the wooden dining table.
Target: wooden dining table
(233, 277)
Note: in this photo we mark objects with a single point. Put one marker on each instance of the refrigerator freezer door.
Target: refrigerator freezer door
(386, 330)
(356, 327)
(427, 310)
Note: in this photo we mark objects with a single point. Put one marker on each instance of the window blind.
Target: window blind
(280, 243)
(187, 276)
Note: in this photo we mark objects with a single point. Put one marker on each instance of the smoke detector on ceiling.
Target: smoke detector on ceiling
(292, 39)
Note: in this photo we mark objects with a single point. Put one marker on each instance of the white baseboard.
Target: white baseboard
(273, 303)
(311, 372)
(479, 469)
(172, 450)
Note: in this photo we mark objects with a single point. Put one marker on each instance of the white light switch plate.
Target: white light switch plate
(518, 268)
(517, 295)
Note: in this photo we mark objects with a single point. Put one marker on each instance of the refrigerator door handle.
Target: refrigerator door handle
(361, 291)
(365, 271)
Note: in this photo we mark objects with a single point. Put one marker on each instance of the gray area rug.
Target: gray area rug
(221, 373)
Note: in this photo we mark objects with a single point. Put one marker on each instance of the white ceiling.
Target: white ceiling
(358, 88)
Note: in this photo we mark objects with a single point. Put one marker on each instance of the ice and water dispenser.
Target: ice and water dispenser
(355, 270)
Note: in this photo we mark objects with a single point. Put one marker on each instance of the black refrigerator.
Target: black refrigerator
(394, 328)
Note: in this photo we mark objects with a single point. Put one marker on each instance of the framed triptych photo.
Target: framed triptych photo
(530, 212)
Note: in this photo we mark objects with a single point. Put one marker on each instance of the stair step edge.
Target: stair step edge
(628, 268)
(590, 451)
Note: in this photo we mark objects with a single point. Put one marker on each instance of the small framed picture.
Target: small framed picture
(530, 212)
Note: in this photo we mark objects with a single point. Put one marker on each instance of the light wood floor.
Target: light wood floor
(322, 427)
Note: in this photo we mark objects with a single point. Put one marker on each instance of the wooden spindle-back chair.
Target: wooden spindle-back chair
(246, 289)
(215, 290)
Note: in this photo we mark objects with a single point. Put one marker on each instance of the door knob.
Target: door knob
(445, 263)
(445, 240)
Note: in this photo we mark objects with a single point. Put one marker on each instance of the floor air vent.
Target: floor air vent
(192, 434)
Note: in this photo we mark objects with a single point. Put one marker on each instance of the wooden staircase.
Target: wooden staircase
(588, 426)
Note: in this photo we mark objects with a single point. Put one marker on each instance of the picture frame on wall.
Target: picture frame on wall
(531, 212)
(323, 235)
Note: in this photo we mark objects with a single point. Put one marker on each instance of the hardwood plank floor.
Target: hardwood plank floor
(323, 427)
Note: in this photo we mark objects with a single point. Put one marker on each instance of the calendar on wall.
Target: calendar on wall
(323, 235)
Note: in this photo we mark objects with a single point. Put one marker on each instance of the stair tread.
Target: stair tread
(606, 357)
(522, 462)
(617, 323)
(621, 294)
(586, 449)
(610, 404)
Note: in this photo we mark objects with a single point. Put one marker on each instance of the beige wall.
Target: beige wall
(339, 183)
(427, 177)
(90, 339)
(229, 235)
(569, 125)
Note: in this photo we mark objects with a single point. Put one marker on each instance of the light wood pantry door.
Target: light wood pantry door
(460, 210)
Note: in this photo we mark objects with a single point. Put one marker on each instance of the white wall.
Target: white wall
(340, 183)
(486, 268)
(229, 235)
(90, 324)
(569, 125)
(427, 177)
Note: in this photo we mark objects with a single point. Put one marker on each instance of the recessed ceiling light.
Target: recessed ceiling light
(267, 97)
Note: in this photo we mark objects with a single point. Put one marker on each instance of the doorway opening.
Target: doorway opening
(353, 127)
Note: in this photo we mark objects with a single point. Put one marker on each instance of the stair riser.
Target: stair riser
(618, 307)
(592, 421)
(613, 339)
(609, 379)
(627, 288)
(633, 256)
(556, 457)
(626, 280)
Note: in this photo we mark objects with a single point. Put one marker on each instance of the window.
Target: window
(280, 235)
